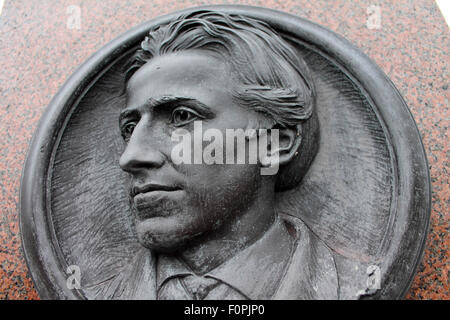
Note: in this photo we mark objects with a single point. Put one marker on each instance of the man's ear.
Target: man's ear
(283, 145)
(290, 139)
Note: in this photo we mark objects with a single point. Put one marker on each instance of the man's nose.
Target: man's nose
(142, 151)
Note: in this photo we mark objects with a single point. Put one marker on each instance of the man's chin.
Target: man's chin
(164, 234)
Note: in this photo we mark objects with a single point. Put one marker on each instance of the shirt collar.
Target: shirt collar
(256, 271)
(169, 267)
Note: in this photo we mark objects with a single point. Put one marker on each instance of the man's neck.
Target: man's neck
(242, 231)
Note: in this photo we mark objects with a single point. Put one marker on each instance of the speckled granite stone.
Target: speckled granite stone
(38, 52)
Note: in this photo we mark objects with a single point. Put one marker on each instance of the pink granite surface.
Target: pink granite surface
(38, 52)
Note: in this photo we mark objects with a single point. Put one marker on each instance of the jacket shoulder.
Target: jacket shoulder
(311, 273)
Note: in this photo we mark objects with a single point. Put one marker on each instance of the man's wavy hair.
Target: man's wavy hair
(272, 78)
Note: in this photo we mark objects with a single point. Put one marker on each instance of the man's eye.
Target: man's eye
(127, 130)
(183, 115)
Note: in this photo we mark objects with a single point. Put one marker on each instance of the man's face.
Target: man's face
(174, 204)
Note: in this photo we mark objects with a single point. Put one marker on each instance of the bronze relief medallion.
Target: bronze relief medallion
(226, 152)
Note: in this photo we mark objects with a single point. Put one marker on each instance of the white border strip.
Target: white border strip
(2, 2)
(444, 6)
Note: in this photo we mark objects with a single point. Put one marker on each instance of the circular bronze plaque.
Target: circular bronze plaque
(360, 212)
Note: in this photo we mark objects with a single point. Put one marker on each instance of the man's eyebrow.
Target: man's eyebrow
(127, 113)
(166, 100)
(150, 103)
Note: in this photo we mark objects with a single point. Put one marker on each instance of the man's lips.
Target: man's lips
(153, 200)
(152, 187)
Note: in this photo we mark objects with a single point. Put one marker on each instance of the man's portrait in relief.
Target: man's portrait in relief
(212, 231)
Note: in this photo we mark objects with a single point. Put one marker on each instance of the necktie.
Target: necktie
(199, 287)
